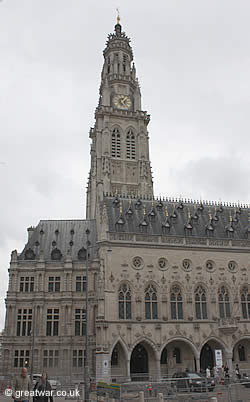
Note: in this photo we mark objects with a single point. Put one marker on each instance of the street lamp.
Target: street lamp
(32, 333)
(86, 365)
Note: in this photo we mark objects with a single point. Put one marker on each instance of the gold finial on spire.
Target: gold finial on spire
(189, 213)
(144, 211)
(210, 216)
(118, 16)
(231, 219)
(120, 208)
(166, 211)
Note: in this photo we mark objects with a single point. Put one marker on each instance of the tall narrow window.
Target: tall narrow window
(224, 302)
(124, 61)
(116, 144)
(151, 312)
(80, 322)
(79, 357)
(124, 302)
(54, 284)
(176, 303)
(24, 321)
(200, 303)
(130, 145)
(81, 283)
(27, 284)
(245, 303)
(21, 358)
(50, 358)
(52, 328)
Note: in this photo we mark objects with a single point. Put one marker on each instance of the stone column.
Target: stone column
(103, 367)
(197, 364)
(229, 356)
(158, 369)
(128, 370)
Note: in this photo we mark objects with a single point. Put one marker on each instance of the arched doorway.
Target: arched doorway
(118, 363)
(178, 355)
(207, 354)
(206, 357)
(241, 354)
(139, 364)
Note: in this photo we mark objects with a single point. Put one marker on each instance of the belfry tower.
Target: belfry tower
(120, 148)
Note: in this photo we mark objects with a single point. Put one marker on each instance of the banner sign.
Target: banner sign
(218, 358)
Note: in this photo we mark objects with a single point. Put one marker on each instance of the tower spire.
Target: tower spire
(120, 144)
(118, 16)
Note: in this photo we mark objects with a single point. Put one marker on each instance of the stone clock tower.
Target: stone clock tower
(120, 151)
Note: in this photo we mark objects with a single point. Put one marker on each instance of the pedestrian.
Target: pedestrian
(208, 372)
(21, 387)
(150, 390)
(237, 372)
(216, 374)
(43, 390)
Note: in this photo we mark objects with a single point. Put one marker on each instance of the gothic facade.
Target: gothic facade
(168, 279)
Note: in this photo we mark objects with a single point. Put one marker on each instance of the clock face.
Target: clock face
(122, 102)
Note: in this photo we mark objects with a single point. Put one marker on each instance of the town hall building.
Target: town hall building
(168, 279)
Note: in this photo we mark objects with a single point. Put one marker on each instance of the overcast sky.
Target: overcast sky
(193, 63)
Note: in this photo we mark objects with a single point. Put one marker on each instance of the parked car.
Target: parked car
(36, 377)
(245, 380)
(192, 382)
(54, 383)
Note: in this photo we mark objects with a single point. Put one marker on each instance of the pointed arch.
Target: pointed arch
(176, 302)
(130, 143)
(245, 301)
(125, 301)
(224, 301)
(215, 339)
(151, 302)
(119, 358)
(148, 342)
(181, 339)
(200, 298)
(116, 134)
(122, 343)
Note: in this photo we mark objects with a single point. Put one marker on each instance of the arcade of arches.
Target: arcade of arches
(146, 362)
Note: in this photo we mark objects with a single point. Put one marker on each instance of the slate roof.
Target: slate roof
(67, 236)
(177, 218)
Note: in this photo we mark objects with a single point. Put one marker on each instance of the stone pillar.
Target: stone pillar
(141, 396)
(128, 370)
(103, 367)
(197, 364)
(158, 370)
(229, 356)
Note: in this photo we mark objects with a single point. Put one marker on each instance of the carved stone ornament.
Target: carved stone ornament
(162, 264)
(137, 262)
(186, 265)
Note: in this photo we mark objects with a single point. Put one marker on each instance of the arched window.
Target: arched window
(200, 303)
(245, 303)
(130, 145)
(241, 352)
(176, 303)
(177, 355)
(114, 357)
(151, 303)
(224, 302)
(124, 302)
(116, 144)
